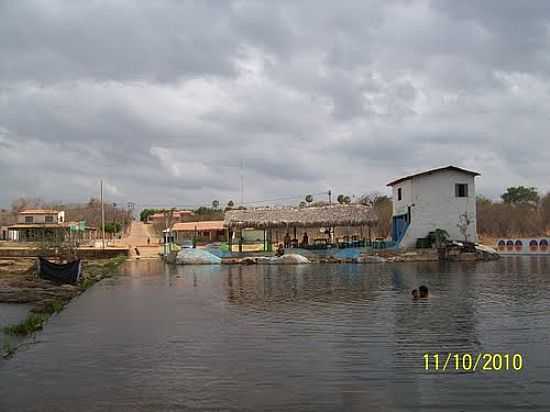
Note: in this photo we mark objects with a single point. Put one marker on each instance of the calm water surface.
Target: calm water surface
(318, 338)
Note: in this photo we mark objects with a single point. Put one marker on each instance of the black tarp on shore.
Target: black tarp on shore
(60, 273)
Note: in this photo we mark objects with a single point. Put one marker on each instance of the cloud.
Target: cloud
(166, 100)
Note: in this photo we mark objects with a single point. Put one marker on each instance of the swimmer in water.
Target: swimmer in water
(423, 290)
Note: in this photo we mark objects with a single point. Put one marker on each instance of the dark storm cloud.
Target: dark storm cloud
(165, 100)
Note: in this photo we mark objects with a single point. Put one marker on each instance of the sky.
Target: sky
(171, 102)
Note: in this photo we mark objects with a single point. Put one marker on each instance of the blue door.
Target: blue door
(399, 227)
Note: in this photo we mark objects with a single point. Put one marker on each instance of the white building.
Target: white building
(40, 216)
(442, 198)
(38, 224)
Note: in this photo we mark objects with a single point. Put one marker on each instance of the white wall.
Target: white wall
(435, 206)
(400, 207)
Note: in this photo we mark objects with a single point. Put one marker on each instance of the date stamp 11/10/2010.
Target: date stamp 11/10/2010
(473, 362)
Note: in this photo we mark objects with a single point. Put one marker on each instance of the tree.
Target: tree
(521, 195)
(347, 200)
(464, 222)
(545, 211)
(383, 209)
(145, 213)
(207, 213)
(215, 204)
(309, 199)
(340, 199)
(230, 204)
(440, 238)
(113, 228)
(302, 204)
(27, 203)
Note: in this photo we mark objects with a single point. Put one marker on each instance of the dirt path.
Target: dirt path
(137, 238)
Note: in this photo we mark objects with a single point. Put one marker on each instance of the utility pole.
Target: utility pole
(242, 184)
(102, 214)
(115, 213)
(330, 228)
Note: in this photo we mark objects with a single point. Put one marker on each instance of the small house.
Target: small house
(39, 224)
(442, 198)
(203, 232)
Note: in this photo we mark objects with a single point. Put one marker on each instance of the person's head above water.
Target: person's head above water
(414, 294)
(423, 291)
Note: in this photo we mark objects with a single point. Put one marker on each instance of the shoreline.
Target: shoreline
(19, 284)
(201, 256)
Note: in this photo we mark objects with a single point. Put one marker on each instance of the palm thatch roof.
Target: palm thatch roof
(334, 215)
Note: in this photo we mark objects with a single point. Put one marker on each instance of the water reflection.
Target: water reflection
(331, 337)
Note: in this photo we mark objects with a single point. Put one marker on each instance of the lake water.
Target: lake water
(295, 338)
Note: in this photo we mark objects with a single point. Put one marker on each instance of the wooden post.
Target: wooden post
(270, 240)
(240, 241)
(230, 239)
(370, 235)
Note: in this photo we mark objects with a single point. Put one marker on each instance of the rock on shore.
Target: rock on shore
(290, 259)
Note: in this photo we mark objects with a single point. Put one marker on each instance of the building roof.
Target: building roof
(38, 212)
(428, 172)
(21, 226)
(334, 215)
(199, 226)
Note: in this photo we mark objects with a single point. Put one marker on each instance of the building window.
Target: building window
(29, 219)
(399, 194)
(461, 190)
(48, 219)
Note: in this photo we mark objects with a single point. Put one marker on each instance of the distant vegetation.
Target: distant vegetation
(383, 207)
(520, 212)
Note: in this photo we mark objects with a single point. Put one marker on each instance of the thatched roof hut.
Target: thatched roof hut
(334, 215)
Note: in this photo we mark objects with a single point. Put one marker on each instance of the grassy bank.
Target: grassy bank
(49, 299)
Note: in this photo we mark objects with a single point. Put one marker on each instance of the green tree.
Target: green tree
(521, 195)
(309, 199)
(230, 204)
(440, 237)
(215, 204)
(340, 199)
(302, 204)
(113, 227)
(145, 213)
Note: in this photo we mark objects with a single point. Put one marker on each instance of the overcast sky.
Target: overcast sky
(165, 99)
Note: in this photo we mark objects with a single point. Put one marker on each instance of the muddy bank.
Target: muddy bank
(19, 284)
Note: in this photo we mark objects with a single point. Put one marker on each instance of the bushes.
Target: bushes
(506, 219)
